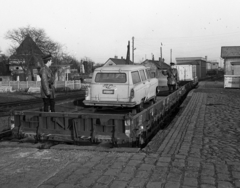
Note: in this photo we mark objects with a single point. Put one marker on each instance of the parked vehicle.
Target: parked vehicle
(122, 86)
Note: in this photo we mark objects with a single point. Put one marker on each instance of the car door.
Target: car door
(153, 83)
(138, 86)
(145, 82)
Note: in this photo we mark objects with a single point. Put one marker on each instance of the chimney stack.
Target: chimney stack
(160, 62)
(116, 57)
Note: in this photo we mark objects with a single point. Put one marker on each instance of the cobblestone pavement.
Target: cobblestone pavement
(200, 148)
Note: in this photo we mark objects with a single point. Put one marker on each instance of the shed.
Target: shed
(231, 56)
(200, 62)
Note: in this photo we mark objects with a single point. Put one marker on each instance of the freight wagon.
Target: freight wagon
(73, 123)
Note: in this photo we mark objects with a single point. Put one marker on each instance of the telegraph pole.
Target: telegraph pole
(161, 52)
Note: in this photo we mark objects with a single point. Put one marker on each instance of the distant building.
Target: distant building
(116, 61)
(156, 67)
(231, 56)
(24, 62)
(5, 74)
(200, 62)
(212, 65)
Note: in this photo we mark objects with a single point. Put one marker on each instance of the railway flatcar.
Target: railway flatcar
(74, 123)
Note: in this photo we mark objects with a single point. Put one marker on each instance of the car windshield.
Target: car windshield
(111, 78)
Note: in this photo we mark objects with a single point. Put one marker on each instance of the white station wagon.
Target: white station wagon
(122, 86)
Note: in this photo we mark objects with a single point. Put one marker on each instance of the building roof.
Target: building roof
(118, 61)
(120, 68)
(188, 59)
(27, 47)
(161, 65)
(230, 51)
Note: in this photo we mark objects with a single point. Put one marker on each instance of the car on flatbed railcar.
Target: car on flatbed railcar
(122, 86)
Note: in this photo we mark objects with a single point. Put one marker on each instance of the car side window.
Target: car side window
(143, 76)
(135, 77)
(153, 75)
(148, 74)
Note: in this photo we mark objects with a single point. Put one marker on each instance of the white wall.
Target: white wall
(231, 69)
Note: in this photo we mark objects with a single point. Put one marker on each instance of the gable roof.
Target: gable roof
(159, 65)
(27, 47)
(119, 61)
(230, 51)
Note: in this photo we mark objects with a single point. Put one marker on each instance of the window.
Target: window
(135, 77)
(143, 76)
(148, 74)
(153, 74)
(111, 78)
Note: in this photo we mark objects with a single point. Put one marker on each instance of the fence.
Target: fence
(59, 85)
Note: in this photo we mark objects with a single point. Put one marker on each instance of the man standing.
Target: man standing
(172, 77)
(47, 84)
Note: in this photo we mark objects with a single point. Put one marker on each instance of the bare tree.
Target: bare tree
(39, 36)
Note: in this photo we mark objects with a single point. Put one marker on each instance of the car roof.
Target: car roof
(121, 68)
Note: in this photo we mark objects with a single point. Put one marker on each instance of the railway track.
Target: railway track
(8, 107)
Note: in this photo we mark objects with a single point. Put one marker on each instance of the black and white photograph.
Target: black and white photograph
(119, 94)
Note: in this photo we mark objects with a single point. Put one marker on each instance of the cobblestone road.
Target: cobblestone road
(200, 148)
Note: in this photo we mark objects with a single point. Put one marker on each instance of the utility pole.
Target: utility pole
(171, 56)
(161, 52)
(133, 49)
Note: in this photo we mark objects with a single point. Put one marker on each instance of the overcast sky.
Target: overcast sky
(100, 29)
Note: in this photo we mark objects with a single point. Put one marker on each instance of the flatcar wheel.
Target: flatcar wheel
(155, 99)
(152, 102)
(141, 140)
(140, 107)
